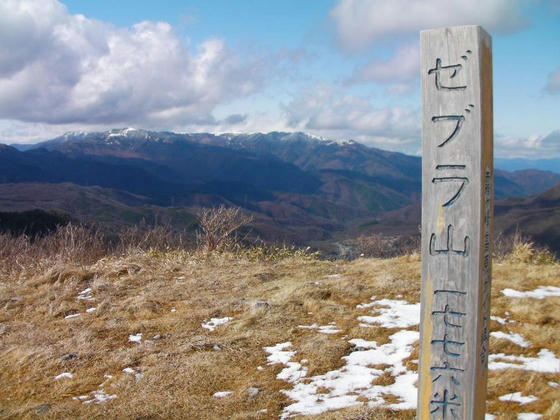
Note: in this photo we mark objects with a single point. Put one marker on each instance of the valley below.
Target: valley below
(300, 190)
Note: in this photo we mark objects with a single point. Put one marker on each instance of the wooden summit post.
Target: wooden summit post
(457, 213)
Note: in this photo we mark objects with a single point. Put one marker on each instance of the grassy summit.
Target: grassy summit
(161, 332)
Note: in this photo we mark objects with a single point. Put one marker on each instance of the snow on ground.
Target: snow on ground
(352, 383)
(222, 394)
(214, 322)
(89, 310)
(85, 295)
(130, 371)
(293, 371)
(71, 316)
(329, 329)
(546, 362)
(97, 396)
(518, 398)
(277, 354)
(539, 293)
(513, 337)
(502, 321)
(136, 338)
(64, 375)
(324, 329)
(528, 416)
(392, 313)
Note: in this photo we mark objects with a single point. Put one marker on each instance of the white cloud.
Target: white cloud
(333, 114)
(59, 68)
(535, 146)
(553, 84)
(360, 22)
(403, 66)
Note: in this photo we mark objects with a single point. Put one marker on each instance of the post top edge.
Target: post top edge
(456, 27)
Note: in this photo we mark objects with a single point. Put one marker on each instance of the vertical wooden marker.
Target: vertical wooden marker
(457, 213)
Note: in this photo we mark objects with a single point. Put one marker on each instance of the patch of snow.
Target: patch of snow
(328, 329)
(89, 310)
(64, 375)
(529, 416)
(334, 276)
(214, 322)
(517, 397)
(293, 371)
(489, 417)
(221, 394)
(539, 293)
(107, 379)
(173, 309)
(502, 321)
(263, 411)
(85, 295)
(309, 327)
(393, 314)
(513, 337)
(554, 384)
(545, 362)
(277, 354)
(346, 385)
(324, 329)
(259, 368)
(81, 397)
(135, 338)
(367, 305)
(100, 396)
(130, 371)
(71, 316)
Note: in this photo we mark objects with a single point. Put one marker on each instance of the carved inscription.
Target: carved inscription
(486, 266)
(456, 231)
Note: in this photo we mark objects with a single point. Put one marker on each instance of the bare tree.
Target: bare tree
(217, 225)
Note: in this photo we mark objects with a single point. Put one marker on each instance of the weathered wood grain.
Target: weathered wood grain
(457, 213)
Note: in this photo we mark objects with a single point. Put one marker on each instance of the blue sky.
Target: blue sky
(333, 68)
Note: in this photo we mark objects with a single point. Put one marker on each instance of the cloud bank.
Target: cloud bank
(362, 22)
(59, 68)
(325, 111)
(536, 146)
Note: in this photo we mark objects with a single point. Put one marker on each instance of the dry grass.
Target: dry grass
(267, 291)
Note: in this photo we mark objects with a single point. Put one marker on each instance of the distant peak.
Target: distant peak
(74, 134)
(123, 132)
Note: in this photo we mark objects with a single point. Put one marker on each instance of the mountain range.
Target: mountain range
(300, 188)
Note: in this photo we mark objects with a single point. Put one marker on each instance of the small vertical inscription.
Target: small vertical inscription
(457, 182)
(486, 267)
